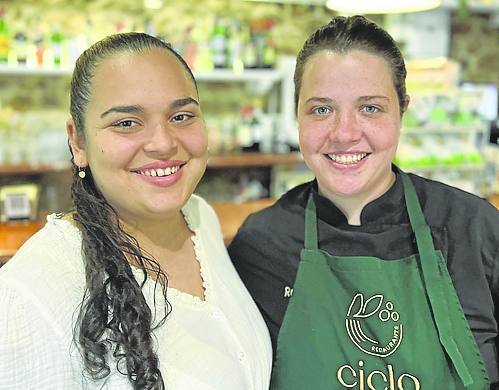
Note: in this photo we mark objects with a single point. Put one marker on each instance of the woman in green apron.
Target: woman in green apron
(369, 278)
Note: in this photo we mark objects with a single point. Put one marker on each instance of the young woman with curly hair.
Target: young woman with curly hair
(133, 288)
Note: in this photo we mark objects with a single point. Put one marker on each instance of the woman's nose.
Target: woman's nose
(160, 139)
(345, 129)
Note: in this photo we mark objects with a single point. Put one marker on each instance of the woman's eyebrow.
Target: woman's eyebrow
(373, 97)
(183, 102)
(319, 99)
(123, 109)
(139, 109)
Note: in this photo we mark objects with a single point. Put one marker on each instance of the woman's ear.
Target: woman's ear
(76, 144)
(407, 99)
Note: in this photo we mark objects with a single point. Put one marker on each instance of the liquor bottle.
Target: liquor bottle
(20, 45)
(265, 49)
(56, 40)
(257, 126)
(218, 43)
(244, 134)
(269, 54)
(235, 47)
(4, 38)
(250, 58)
(39, 48)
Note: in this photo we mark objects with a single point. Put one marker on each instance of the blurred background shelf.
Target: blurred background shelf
(33, 71)
(446, 129)
(216, 75)
(29, 169)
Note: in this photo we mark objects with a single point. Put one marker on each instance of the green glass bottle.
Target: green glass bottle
(56, 40)
(4, 38)
(218, 43)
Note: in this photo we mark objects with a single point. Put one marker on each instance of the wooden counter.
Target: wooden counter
(494, 199)
(14, 234)
(231, 215)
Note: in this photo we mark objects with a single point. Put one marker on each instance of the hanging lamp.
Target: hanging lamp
(381, 6)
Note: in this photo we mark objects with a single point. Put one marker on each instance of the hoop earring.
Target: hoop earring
(81, 172)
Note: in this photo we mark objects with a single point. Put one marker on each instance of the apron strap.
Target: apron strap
(311, 239)
(432, 279)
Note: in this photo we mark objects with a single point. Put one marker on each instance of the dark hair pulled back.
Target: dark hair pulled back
(343, 34)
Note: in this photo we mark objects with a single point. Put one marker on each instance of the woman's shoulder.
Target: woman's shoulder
(199, 213)
(50, 249)
(197, 203)
(448, 196)
(443, 203)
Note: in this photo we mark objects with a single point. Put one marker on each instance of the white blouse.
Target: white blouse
(216, 344)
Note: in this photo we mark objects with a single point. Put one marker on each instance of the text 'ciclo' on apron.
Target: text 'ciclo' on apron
(360, 322)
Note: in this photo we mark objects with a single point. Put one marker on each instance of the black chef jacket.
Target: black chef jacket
(266, 249)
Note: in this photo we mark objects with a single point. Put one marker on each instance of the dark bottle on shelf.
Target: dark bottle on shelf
(244, 135)
(21, 47)
(256, 128)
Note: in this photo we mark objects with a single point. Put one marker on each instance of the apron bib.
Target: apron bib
(360, 322)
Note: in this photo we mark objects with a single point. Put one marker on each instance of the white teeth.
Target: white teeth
(347, 159)
(160, 172)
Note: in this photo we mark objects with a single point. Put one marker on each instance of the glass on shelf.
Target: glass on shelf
(34, 138)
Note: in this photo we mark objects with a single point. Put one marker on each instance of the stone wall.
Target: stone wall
(475, 45)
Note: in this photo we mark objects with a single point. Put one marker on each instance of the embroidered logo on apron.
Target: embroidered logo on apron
(375, 311)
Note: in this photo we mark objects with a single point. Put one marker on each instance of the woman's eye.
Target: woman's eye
(181, 117)
(321, 110)
(124, 123)
(371, 109)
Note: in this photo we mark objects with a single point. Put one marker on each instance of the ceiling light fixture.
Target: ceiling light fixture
(153, 4)
(381, 6)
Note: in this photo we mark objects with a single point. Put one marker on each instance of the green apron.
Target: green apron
(364, 323)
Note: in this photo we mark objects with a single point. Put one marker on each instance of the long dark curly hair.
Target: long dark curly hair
(114, 322)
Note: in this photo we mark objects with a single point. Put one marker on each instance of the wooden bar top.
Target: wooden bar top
(494, 199)
(14, 233)
(231, 215)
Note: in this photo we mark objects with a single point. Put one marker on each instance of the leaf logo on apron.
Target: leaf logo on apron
(372, 314)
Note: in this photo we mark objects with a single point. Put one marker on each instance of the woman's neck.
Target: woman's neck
(352, 206)
(159, 236)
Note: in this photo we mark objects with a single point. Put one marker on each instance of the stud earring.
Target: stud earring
(81, 172)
